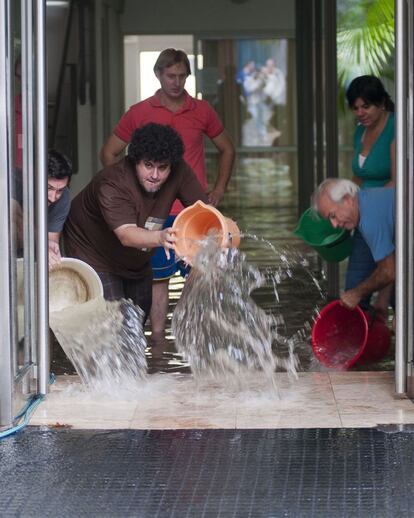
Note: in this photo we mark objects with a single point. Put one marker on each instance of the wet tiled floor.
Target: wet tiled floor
(175, 401)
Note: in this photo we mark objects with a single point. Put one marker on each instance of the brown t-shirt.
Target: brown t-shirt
(113, 198)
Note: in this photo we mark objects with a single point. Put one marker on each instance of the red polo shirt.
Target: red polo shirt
(192, 121)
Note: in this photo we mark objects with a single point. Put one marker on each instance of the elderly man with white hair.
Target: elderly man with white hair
(372, 211)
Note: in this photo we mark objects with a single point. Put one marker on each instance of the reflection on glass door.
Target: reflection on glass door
(261, 74)
(251, 83)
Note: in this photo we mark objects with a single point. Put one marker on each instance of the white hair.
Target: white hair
(336, 189)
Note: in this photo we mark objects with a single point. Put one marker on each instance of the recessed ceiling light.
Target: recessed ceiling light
(57, 3)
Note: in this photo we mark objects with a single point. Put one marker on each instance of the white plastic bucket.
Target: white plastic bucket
(72, 282)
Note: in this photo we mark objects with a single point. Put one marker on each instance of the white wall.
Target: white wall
(209, 17)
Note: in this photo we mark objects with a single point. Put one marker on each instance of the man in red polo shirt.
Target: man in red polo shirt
(192, 119)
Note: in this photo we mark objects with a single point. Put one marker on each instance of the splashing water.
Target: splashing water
(104, 340)
(219, 328)
(289, 259)
(291, 273)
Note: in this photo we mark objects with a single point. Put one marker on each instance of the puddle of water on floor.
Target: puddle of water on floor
(166, 391)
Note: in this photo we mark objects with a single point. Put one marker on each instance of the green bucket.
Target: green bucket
(332, 244)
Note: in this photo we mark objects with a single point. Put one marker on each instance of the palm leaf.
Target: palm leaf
(365, 38)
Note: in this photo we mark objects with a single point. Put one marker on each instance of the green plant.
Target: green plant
(365, 38)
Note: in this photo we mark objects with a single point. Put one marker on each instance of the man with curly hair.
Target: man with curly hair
(117, 219)
(194, 119)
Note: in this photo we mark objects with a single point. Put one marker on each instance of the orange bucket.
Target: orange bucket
(194, 223)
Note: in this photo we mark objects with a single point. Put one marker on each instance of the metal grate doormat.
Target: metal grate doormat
(208, 473)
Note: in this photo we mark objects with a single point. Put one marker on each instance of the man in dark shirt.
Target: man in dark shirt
(116, 221)
(59, 173)
(59, 170)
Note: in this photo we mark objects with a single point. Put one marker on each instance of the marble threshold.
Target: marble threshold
(178, 401)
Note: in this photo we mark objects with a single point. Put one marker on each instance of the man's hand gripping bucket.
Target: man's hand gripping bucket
(194, 223)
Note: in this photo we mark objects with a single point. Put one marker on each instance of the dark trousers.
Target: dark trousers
(139, 291)
(360, 266)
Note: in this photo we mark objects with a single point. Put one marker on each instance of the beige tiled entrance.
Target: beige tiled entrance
(176, 401)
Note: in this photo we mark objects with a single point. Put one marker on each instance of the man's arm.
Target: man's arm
(111, 150)
(54, 249)
(136, 237)
(383, 275)
(226, 150)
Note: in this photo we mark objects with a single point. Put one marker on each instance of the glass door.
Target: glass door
(250, 82)
(23, 346)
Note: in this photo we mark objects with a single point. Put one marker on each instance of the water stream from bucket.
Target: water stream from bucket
(291, 274)
(104, 340)
(219, 328)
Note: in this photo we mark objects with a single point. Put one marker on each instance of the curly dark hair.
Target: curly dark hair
(156, 142)
(371, 90)
(58, 165)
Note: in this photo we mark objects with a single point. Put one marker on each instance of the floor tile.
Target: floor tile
(173, 401)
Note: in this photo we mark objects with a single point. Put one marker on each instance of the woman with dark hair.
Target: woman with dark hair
(373, 165)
